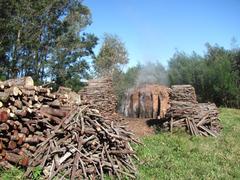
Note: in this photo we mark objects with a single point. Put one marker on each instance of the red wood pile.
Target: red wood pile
(61, 134)
(198, 118)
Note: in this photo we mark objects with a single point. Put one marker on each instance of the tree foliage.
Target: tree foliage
(214, 76)
(112, 56)
(45, 39)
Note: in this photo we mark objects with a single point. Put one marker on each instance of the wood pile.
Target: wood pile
(59, 133)
(184, 93)
(198, 118)
(146, 101)
(99, 92)
(25, 113)
(84, 145)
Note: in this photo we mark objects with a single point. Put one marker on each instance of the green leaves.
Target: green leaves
(37, 37)
(112, 56)
(213, 75)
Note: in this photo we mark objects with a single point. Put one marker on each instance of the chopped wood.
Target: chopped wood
(24, 81)
(100, 93)
(59, 132)
(198, 118)
(183, 93)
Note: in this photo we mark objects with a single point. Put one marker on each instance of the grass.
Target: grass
(180, 156)
(12, 174)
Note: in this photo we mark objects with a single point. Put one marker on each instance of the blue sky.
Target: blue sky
(153, 29)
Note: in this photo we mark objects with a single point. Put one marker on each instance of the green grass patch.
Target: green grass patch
(181, 156)
(13, 174)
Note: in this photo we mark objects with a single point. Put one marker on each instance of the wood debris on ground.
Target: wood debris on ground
(59, 133)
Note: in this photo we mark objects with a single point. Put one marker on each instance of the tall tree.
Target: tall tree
(112, 56)
(69, 64)
(39, 36)
(213, 75)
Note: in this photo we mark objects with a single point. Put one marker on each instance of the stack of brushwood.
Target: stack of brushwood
(100, 93)
(60, 134)
(185, 111)
(184, 93)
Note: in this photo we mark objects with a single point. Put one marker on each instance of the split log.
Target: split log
(4, 96)
(4, 115)
(24, 81)
(17, 159)
(54, 112)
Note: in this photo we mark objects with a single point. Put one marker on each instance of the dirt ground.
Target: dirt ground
(141, 127)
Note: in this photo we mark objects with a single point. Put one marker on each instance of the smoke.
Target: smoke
(152, 73)
(148, 73)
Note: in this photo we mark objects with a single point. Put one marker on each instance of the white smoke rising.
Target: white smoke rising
(152, 73)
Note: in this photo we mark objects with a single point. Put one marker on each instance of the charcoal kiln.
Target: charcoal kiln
(146, 101)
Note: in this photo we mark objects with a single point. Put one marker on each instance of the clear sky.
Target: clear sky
(153, 29)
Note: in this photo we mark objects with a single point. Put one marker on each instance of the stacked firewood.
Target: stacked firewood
(184, 93)
(198, 118)
(61, 134)
(25, 111)
(99, 92)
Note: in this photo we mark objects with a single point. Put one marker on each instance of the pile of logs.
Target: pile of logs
(99, 92)
(84, 145)
(25, 115)
(146, 101)
(185, 111)
(184, 93)
(59, 133)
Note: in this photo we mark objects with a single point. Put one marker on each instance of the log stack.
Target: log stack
(184, 93)
(25, 111)
(185, 111)
(99, 92)
(63, 135)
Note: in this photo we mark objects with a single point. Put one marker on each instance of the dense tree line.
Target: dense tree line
(215, 76)
(46, 40)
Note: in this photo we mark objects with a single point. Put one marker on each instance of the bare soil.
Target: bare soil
(141, 127)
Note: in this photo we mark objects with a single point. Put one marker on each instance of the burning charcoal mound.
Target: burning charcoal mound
(60, 134)
(198, 118)
(146, 101)
(99, 92)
